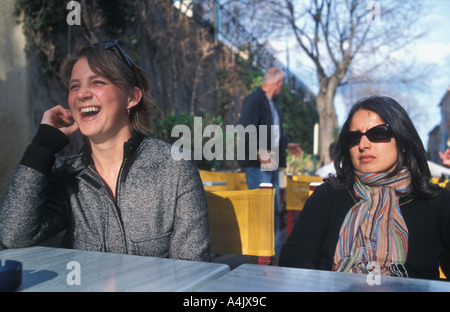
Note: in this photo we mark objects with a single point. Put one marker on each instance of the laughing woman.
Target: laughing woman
(380, 212)
(123, 193)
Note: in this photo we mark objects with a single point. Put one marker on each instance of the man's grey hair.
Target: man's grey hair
(273, 75)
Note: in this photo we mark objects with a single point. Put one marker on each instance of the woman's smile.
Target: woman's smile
(89, 112)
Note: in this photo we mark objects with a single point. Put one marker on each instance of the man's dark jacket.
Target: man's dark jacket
(256, 111)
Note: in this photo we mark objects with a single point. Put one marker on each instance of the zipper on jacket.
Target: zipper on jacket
(128, 150)
(114, 198)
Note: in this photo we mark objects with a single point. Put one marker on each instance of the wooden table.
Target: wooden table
(257, 278)
(57, 269)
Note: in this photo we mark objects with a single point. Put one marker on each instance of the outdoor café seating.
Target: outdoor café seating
(241, 220)
(297, 192)
(223, 181)
(445, 259)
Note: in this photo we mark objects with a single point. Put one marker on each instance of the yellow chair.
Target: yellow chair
(441, 274)
(441, 182)
(444, 184)
(297, 192)
(435, 180)
(444, 266)
(242, 222)
(223, 181)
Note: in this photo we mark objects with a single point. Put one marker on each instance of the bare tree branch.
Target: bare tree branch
(346, 47)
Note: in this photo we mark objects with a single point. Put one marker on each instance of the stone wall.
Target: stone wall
(14, 95)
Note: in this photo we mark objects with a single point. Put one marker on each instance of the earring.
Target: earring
(128, 112)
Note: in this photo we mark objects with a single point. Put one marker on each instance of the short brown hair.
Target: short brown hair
(110, 64)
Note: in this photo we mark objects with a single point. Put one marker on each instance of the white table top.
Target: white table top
(259, 278)
(46, 269)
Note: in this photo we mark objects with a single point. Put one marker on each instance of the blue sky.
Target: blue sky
(435, 47)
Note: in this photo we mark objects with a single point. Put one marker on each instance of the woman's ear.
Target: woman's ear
(134, 97)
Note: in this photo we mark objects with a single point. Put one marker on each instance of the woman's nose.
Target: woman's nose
(364, 143)
(84, 94)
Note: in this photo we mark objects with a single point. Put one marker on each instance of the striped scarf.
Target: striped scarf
(373, 231)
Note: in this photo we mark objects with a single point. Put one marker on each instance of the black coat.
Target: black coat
(256, 111)
(312, 242)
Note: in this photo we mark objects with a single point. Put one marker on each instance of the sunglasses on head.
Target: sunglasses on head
(109, 44)
(380, 133)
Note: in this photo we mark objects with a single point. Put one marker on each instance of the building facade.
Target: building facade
(439, 137)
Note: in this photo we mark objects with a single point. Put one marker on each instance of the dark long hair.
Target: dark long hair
(411, 153)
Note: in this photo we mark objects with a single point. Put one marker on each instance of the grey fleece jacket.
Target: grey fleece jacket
(160, 207)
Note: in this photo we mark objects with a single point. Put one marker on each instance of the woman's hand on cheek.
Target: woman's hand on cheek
(60, 118)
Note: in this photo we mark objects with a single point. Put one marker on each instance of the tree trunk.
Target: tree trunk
(327, 116)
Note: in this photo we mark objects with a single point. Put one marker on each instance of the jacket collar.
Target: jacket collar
(129, 147)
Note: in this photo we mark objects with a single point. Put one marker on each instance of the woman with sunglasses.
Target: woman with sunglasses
(123, 192)
(380, 211)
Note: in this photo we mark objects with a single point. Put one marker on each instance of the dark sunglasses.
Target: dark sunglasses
(109, 44)
(380, 133)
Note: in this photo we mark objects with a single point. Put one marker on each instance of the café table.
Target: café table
(258, 278)
(59, 270)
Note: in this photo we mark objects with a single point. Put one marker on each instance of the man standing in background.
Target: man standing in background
(260, 109)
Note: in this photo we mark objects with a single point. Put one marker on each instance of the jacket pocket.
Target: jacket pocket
(157, 246)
